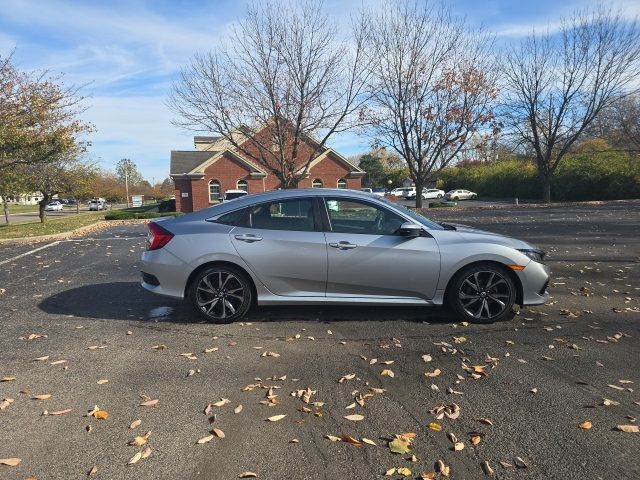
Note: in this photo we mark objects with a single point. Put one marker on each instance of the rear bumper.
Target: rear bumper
(163, 274)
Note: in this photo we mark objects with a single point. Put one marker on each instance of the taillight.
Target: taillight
(158, 236)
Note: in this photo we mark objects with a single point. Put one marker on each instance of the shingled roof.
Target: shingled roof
(185, 161)
(204, 139)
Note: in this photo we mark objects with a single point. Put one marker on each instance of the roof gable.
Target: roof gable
(186, 161)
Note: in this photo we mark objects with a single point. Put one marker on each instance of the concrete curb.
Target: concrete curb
(535, 205)
(98, 226)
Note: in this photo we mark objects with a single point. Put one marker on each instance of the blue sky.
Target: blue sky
(129, 52)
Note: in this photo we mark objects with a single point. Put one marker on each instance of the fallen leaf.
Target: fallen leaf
(486, 421)
(348, 376)
(400, 445)
(247, 475)
(387, 373)
(11, 462)
(135, 459)
(476, 439)
(628, 428)
(218, 433)
(333, 438)
(370, 442)
(8, 378)
(435, 373)
(443, 468)
(41, 359)
(58, 362)
(435, 426)
(426, 358)
(404, 471)
(101, 414)
(520, 463)
(42, 396)
(276, 418)
(390, 472)
(59, 412)
(349, 439)
(149, 403)
(354, 417)
(487, 468)
(458, 446)
(135, 424)
(93, 471)
(102, 382)
(238, 409)
(221, 402)
(270, 354)
(206, 439)
(586, 425)
(146, 452)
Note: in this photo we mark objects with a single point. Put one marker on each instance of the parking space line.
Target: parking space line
(29, 252)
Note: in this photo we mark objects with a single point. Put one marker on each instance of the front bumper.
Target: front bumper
(535, 280)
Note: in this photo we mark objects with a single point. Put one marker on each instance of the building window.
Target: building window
(242, 185)
(214, 191)
(342, 183)
(317, 183)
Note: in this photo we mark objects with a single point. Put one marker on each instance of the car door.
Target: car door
(284, 246)
(367, 257)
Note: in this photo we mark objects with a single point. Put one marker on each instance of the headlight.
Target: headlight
(534, 254)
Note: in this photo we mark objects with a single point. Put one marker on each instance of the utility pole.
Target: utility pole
(126, 184)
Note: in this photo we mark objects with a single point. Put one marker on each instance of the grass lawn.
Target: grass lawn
(19, 208)
(59, 225)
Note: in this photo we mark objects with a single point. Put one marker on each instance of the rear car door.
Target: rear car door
(369, 258)
(283, 244)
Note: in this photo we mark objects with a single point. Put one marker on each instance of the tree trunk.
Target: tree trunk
(419, 187)
(6, 209)
(41, 206)
(546, 189)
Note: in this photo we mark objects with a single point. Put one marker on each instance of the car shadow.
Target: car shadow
(129, 301)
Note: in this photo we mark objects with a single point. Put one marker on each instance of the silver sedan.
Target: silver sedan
(324, 246)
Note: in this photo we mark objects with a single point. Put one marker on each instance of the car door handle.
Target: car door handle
(343, 245)
(248, 238)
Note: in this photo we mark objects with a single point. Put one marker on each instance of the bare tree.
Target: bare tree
(556, 84)
(285, 69)
(431, 81)
(627, 115)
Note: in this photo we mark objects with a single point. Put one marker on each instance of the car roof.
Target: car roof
(253, 198)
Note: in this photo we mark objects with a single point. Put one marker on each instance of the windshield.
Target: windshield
(415, 215)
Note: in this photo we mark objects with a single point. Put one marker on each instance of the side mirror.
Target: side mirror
(410, 229)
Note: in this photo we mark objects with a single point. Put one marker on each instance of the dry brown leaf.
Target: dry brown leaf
(435, 426)
(247, 475)
(41, 359)
(276, 418)
(58, 362)
(354, 417)
(458, 446)
(476, 439)
(487, 468)
(101, 414)
(59, 412)
(11, 462)
(628, 428)
(7, 378)
(435, 373)
(218, 433)
(5, 403)
(93, 470)
(146, 452)
(348, 376)
(520, 463)
(206, 439)
(370, 442)
(135, 424)
(390, 472)
(404, 471)
(333, 438)
(349, 439)
(443, 468)
(428, 476)
(486, 421)
(270, 354)
(210, 350)
(138, 441)
(238, 409)
(221, 402)
(102, 381)
(135, 459)
(387, 373)
(42, 396)
(586, 425)
(150, 403)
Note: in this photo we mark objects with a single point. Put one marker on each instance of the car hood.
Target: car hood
(474, 234)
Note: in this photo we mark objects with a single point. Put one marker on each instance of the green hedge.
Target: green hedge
(129, 215)
(584, 176)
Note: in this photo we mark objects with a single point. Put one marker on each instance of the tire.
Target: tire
(455, 199)
(439, 195)
(482, 293)
(473, 197)
(221, 294)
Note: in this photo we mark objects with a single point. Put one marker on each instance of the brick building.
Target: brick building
(203, 175)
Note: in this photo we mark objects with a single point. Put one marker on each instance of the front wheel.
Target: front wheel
(221, 294)
(439, 195)
(483, 293)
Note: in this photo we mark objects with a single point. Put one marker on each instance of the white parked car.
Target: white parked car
(366, 190)
(97, 204)
(53, 207)
(232, 195)
(460, 194)
(399, 192)
(429, 193)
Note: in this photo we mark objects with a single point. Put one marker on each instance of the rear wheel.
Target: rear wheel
(439, 195)
(483, 293)
(221, 294)
(455, 199)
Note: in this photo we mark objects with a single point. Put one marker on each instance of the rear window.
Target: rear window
(237, 218)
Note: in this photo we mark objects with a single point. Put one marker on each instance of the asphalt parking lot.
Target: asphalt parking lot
(72, 315)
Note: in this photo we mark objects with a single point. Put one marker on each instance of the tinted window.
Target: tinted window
(354, 216)
(237, 218)
(284, 215)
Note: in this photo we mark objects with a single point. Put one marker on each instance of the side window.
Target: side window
(237, 218)
(294, 215)
(354, 216)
